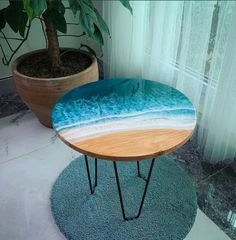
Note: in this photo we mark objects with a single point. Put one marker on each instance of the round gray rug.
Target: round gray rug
(168, 213)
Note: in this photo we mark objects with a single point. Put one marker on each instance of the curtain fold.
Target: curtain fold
(189, 45)
(196, 27)
(161, 40)
(217, 131)
(123, 53)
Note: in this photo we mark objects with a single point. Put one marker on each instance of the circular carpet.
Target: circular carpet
(168, 213)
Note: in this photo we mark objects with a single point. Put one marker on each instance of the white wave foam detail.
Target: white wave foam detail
(133, 114)
(86, 132)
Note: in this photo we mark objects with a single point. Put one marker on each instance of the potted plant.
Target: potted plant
(43, 76)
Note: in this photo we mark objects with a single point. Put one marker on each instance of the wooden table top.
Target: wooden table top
(124, 119)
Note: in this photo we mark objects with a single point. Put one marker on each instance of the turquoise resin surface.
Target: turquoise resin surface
(115, 105)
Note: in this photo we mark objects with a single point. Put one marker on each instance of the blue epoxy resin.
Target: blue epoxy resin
(115, 105)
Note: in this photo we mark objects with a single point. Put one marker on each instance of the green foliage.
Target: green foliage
(127, 5)
(38, 6)
(29, 10)
(90, 19)
(20, 13)
(2, 19)
(57, 19)
(16, 17)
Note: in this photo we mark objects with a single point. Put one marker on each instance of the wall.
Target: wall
(36, 39)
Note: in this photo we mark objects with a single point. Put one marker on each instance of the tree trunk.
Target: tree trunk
(53, 44)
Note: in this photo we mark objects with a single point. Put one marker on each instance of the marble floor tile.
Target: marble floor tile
(25, 185)
(205, 229)
(21, 134)
(10, 103)
(215, 186)
(27, 174)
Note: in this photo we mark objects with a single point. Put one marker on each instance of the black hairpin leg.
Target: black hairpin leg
(139, 173)
(144, 193)
(92, 188)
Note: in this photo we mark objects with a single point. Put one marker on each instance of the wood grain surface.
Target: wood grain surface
(132, 145)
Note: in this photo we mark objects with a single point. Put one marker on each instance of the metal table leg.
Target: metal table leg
(140, 175)
(144, 193)
(92, 188)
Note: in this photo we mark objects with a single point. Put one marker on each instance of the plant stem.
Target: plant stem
(53, 44)
(4, 59)
(9, 38)
(6, 39)
(71, 35)
(7, 61)
(68, 23)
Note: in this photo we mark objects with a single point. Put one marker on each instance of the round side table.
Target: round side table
(124, 120)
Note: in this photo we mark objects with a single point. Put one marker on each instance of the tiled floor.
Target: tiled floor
(215, 185)
(31, 157)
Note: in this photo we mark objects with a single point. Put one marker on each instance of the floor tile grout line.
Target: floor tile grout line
(35, 150)
(212, 175)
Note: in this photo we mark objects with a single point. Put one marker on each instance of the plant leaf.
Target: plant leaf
(87, 23)
(11, 15)
(89, 2)
(74, 5)
(16, 17)
(126, 4)
(22, 24)
(2, 19)
(29, 10)
(101, 23)
(38, 6)
(58, 5)
(57, 19)
(88, 9)
(90, 50)
(98, 35)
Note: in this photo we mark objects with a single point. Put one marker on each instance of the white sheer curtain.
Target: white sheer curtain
(217, 132)
(189, 45)
(123, 52)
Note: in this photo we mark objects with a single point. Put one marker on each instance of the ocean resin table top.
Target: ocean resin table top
(124, 119)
